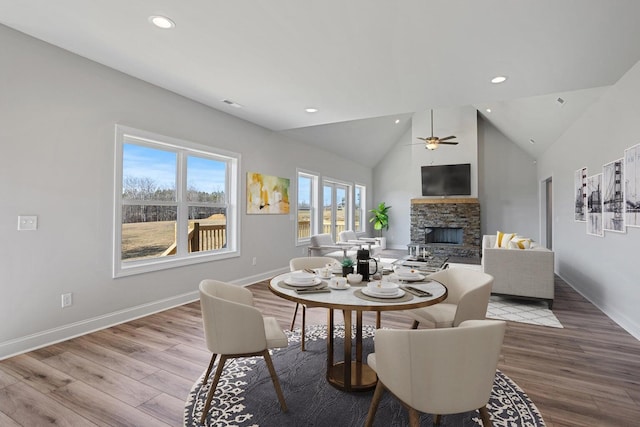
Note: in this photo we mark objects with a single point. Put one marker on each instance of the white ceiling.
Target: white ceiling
(362, 63)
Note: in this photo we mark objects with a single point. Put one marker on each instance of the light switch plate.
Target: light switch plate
(27, 222)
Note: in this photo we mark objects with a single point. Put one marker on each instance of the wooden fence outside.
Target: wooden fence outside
(206, 237)
(304, 229)
(203, 237)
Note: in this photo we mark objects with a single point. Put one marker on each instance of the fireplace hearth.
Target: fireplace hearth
(447, 227)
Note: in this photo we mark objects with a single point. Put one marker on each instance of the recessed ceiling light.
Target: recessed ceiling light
(499, 79)
(488, 110)
(397, 121)
(311, 110)
(162, 22)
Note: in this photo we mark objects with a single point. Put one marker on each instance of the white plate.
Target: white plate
(340, 289)
(412, 278)
(316, 281)
(374, 294)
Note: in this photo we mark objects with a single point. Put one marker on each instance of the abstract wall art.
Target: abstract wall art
(267, 194)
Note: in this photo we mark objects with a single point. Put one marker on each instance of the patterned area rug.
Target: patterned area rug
(517, 310)
(246, 397)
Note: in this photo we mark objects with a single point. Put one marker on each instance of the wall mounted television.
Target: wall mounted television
(446, 180)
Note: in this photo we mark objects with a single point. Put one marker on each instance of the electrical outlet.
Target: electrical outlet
(67, 300)
(254, 261)
(27, 222)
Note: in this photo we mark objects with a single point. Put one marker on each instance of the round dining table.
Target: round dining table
(352, 374)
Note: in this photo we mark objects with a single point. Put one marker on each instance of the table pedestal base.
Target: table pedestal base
(363, 378)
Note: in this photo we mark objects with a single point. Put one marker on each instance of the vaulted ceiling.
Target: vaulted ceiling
(362, 63)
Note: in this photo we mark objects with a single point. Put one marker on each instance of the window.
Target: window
(175, 203)
(307, 206)
(359, 218)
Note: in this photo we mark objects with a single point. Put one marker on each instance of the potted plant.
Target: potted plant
(380, 220)
(347, 266)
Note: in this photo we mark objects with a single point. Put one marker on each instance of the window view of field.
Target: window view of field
(142, 240)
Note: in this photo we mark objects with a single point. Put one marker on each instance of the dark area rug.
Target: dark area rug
(246, 397)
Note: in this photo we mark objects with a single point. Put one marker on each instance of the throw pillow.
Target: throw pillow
(520, 243)
(502, 239)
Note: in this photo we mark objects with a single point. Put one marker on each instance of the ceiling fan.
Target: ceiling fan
(432, 142)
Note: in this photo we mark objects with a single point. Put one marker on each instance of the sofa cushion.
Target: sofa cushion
(520, 243)
(503, 239)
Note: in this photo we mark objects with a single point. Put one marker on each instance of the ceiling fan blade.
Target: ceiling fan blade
(448, 142)
(447, 137)
(423, 139)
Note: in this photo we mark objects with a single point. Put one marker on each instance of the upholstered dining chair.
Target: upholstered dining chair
(233, 328)
(300, 264)
(438, 371)
(467, 299)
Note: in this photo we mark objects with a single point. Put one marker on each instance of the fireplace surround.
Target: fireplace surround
(447, 227)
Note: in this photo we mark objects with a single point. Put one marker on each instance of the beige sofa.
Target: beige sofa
(526, 273)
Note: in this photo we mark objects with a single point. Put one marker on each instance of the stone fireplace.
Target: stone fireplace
(447, 227)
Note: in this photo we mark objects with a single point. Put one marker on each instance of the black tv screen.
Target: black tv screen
(446, 180)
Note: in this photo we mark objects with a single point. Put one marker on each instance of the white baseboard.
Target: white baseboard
(62, 333)
(623, 321)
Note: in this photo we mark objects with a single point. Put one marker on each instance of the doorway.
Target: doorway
(547, 229)
(335, 208)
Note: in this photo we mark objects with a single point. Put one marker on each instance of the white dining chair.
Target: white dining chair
(233, 328)
(467, 299)
(302, 263)
(438, 371)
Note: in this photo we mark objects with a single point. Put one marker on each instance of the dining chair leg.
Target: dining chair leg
(304, 327)
(295, 313)
(486, 418)
(415, 324)
(378, 320)
(414, 418)
(436, 419)
(206, 375)
(375, 401)
(216, 378)
(274, 378)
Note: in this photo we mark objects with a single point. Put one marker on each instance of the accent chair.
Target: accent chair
(467, 299)
(438, 371)
(301, 263)
(233, 328)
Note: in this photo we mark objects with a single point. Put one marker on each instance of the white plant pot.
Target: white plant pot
(383, 243)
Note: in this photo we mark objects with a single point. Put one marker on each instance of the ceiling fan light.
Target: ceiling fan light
(431, 145)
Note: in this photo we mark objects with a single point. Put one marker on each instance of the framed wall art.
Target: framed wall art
(632, 186)
(267, 194)
(580, 193)
(594, 205)
(612, 197)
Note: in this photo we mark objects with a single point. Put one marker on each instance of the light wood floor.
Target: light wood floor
(139, 373)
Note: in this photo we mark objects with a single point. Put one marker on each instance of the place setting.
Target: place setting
(383, 291)
(407, 275)
(304, 282)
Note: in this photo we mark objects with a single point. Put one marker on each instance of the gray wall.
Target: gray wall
(601, 268)
(507, 184)
(397, 177)
(57, 125)
(504, 176)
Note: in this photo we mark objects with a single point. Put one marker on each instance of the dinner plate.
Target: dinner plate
(316, 281)
(374, 294)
